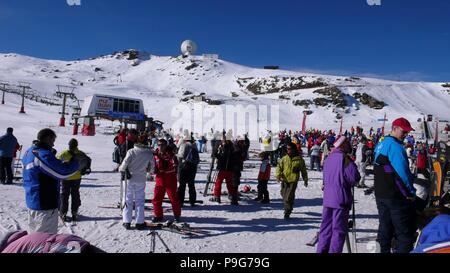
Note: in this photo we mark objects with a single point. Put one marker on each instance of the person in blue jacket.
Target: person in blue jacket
(8, 144)
(394, 191)
(41, 179)
(435, 231)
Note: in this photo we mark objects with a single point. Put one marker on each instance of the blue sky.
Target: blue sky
(401, 39)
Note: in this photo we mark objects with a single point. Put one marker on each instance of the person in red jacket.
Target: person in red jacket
(422, 160)
(120, 138)
(263, 179)
(166, 166)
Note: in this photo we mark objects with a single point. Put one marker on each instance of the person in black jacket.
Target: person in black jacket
(224, 155)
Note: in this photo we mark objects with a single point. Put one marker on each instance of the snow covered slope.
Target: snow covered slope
(163, 82)
(248, 228)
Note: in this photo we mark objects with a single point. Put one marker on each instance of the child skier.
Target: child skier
(263, 179)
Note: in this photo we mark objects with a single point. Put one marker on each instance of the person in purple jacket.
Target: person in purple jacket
(340, 174)
(39, 242)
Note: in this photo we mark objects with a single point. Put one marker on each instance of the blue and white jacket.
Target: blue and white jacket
(41, 175)
(435, 238)
(393, 178)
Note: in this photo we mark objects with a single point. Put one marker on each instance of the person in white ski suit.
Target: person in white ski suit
(139, 161)
(361, 161)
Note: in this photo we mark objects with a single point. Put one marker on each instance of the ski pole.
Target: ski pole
(165, 245)
(354, 221)
(152, 242)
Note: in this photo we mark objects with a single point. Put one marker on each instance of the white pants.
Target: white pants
(135, 196)
(45, 221)
(362, 172)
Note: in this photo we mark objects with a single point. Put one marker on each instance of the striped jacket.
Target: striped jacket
(41, 176)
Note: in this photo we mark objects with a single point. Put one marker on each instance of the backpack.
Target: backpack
(116, 155)
(193, 157)
(85, 163)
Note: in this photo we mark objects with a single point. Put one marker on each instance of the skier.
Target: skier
(263, 179)
(422, 160)
(140, 162)
(8, 144)
(119, 154)
(71, 186)
(315, 156)
(434, 237)
(41, 178)
(188, 159)
(33, 243)
(361, 162)
(340, 174)
(166, 166)
(394, 191)
(288, 174)
(224, 155)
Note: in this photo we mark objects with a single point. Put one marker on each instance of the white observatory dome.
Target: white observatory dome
(188, 47)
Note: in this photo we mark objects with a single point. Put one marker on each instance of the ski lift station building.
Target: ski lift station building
(128, 110)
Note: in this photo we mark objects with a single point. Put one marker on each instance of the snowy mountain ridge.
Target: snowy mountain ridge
(164, 82)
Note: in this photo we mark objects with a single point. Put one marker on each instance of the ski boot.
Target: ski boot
(215, 199)
(177, 220)
(259, 198)
(234, 201)
(265, 200)
(127, 226)
(157, 220)
(287, 216)
(74, 216)
(140, 226)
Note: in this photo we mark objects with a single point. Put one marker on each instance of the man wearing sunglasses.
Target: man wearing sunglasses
(394, 191)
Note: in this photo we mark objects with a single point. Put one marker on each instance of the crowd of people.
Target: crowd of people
(172, 162)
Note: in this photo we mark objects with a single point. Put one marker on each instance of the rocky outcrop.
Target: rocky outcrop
(276, 84)
(368, 100)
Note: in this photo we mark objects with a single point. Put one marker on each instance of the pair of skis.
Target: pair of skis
(210, 178)
(179, 228)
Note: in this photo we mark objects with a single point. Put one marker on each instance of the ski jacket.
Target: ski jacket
(264, 170)
(66, 156)
(138, 161)
(224, 155)
(289, 169)
(315, 150)
(435, 237)
(361, 156)
(165, 163)
(340, 174)
(393, 178)
(41, 175)
(22, 242)
(8, 144)
(422, 160)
